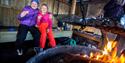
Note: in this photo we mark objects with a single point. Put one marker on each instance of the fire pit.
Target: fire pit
(80, 54)
(65, 54)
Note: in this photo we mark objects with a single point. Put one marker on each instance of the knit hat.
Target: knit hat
(37, 1)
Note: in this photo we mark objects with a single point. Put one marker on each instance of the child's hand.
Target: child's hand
(51, 16)
(27, 12)
(47, 30)
(24, 13)
(39, 17)
(36, 25)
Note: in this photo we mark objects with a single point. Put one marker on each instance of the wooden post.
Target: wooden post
(58, 8)
(73, 7)
(53, 6)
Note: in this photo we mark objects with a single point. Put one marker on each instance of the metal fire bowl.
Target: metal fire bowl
(61, 49)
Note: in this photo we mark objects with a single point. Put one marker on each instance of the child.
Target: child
(44, 23)
(27, 18)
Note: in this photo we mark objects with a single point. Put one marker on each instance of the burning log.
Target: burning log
(109, 25)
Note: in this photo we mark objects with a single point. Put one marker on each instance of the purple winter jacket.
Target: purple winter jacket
(31, 18)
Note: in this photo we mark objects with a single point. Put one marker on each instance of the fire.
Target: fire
(109, 54)
(122, 59)
(85, 56)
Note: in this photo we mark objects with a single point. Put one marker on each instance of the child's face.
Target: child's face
(44, 9)
(34, 5)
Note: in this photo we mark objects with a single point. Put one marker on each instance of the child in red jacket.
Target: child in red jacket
(44, 23)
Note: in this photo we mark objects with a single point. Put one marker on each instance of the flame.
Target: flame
(122, 59)
(109, 54)
(85, 56)
(91, 55)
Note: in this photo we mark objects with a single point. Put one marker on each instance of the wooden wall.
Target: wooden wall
(9, 12)
(8, 16)
(53, 6)
(94, 9)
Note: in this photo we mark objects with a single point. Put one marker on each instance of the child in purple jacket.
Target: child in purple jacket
(27, 19)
